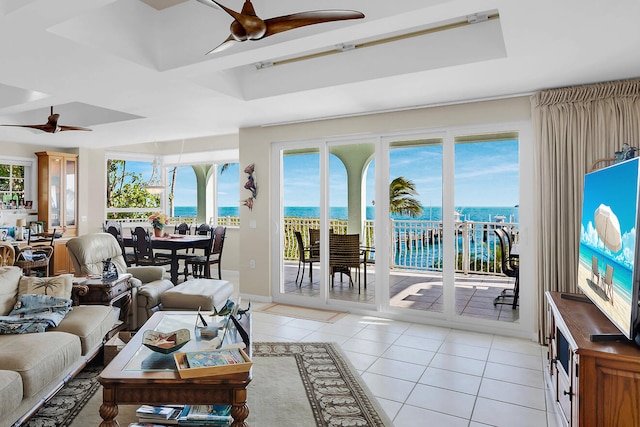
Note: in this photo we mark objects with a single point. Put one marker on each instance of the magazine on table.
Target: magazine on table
(200, 359)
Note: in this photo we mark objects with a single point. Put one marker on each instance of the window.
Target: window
(126, 196)
(228, 194)
(15, 179)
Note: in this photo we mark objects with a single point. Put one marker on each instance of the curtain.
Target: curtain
(574, 128)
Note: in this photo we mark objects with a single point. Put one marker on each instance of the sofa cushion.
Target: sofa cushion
(38, 358)
(203, 293)
(88, 322)
(9, 279)
(10, 391)
(58, 286)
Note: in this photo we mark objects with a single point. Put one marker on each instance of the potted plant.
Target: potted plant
(158, 220)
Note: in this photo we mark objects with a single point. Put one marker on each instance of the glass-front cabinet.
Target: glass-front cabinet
(57, 192)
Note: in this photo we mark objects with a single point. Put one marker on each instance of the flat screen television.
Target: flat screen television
(608, 269)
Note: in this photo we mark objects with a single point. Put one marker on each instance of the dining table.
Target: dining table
(175, 243)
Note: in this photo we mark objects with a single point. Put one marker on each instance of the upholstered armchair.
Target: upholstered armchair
(89, 251)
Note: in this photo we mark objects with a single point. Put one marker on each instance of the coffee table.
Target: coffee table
(139, 376)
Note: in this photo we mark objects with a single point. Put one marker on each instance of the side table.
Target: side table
(116, 293)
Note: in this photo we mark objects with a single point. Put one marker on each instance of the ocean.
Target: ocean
(467, 213)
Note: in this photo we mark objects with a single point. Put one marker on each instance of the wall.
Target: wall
(255, 147)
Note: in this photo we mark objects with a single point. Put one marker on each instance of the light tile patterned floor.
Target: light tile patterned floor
(439, 376)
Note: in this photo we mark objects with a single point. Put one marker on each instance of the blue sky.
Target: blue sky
(486, 174)
(228, 191)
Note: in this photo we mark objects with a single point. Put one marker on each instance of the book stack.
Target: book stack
(206, 415)
(159, 415)
(183, 415)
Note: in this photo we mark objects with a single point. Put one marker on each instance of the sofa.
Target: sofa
(87, 252)
(33, 366)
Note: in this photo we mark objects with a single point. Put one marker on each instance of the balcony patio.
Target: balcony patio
(415, 290)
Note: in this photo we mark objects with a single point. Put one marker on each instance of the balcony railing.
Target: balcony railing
(418, 244)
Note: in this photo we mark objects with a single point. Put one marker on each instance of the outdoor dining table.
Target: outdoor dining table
(174, 243)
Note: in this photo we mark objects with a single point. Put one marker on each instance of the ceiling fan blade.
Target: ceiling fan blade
(63, 128)
(230, 41)
(302, 19)
(43, 128)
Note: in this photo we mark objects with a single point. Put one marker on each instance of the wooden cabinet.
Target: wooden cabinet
(593, 383)
(57, 191)
(61, 262)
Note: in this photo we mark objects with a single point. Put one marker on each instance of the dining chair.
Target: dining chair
(129, 257)
(183, 228)
(201, 265)
(344, 255)
(143, 251)
(203, 229)
(510, 269)
(314, 256)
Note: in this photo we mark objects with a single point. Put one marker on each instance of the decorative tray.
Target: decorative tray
(166, 342)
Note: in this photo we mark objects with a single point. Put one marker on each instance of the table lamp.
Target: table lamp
(19, 231)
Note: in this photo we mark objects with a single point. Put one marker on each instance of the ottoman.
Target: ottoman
(204, 293)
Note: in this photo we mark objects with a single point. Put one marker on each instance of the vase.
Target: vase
(157, 232)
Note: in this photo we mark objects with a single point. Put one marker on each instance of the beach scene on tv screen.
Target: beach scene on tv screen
(608, 240)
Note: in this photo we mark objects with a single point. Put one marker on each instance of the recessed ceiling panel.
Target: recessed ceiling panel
(8, 6)
(10, 96)
(460, 45)
(71, 114)
(162, 4)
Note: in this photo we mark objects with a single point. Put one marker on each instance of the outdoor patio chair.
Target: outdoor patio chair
(303, 259)
(509, 269)
(608, 283)
(201, 265)
(344, 255)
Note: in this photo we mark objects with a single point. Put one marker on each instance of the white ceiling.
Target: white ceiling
(136, 71)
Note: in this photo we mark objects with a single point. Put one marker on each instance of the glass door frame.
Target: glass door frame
(382, 142)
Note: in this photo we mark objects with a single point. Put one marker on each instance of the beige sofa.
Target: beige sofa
(33, 366)
(87, 253)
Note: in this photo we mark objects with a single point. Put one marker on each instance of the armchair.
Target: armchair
(87, 253)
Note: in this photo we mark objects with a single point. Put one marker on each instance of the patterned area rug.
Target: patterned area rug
(294, 384)
(316, 314)
(68, 402)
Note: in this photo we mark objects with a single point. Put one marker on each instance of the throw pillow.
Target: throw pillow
(58, 286)
(9, 278)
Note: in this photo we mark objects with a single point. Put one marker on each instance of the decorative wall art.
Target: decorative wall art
(251, 186)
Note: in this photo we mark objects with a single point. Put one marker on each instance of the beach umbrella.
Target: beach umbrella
(608, 228)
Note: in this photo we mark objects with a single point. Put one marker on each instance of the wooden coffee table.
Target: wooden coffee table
(132, 379)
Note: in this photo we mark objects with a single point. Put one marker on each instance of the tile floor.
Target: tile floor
(439, 376)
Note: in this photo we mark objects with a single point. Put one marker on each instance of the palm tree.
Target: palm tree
(401, 200)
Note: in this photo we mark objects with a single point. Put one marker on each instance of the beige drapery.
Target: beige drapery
(573, 128)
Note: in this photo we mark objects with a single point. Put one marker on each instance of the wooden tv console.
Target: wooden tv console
(593, 383)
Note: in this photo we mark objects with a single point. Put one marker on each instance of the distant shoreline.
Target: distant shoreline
(469, 213)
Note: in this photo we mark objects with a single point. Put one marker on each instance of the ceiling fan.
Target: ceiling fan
(248, 26)
(52, 125)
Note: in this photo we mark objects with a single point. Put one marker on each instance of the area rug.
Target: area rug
(316, 314)
(294, 384)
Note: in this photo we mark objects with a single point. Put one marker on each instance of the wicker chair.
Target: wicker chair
(314, 256)
(7, 254)
(344, 255)
(33, 259)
